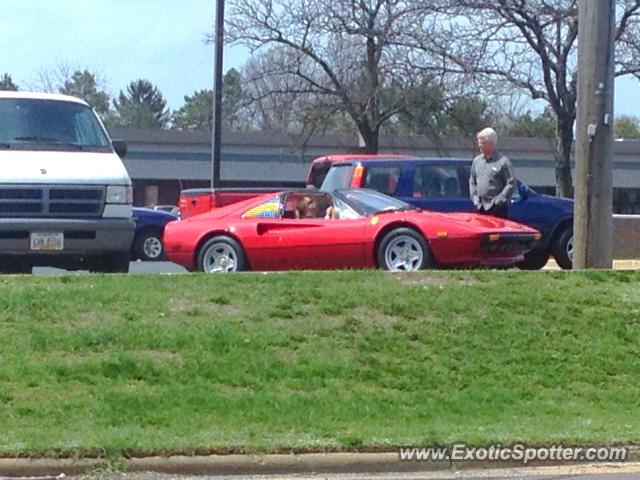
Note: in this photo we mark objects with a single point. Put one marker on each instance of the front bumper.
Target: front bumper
(481, 252)
(513, 243)
(82, 237)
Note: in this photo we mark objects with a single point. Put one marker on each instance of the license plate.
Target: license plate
(47, 241)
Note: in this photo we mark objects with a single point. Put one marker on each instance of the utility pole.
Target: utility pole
(217, 96)
(593, 221)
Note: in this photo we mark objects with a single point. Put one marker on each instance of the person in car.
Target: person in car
(307, 207)
(491, 182)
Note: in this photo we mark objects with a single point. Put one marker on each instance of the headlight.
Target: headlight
(120, 194)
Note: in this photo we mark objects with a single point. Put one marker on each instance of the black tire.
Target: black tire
(147, 246)
(562, 248)
(110, 263)
(534, 260)
(15, 265)
(398, 242)
(221, 254)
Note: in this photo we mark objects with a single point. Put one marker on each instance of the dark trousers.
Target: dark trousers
(496, 211)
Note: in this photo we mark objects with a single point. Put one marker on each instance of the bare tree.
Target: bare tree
(80, 82)
(347, 55)
(283, 102)
(272, 95)
(85, 85)
(51, 80)
(529, 46)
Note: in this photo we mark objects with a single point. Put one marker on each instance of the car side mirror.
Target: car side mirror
(522, 190)
(519, 193)
(120, 146)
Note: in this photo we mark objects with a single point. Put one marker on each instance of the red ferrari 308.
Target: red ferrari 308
(345, 229)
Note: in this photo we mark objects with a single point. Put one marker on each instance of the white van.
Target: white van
(65, 195)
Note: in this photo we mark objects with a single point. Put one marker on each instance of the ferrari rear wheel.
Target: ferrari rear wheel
(221, 255)
(404, 250)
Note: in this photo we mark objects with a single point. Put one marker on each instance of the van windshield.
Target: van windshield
(49, 124)
(339, 176)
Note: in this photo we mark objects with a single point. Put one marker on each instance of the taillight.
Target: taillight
(357, 180)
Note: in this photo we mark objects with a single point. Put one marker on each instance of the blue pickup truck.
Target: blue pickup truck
(442, 184)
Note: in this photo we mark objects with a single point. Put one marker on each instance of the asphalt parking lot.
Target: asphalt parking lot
(169, 267)
(134, 268)
(617, 265)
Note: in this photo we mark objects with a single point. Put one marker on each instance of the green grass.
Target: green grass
(98, 365)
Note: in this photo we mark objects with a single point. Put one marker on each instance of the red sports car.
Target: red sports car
(345, 229)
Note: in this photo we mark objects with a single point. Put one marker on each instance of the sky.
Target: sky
(125, 40)
(119, 40)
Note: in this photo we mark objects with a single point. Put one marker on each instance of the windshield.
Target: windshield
(369, 202)
(339, 176)
(317, 173)
(37, 123)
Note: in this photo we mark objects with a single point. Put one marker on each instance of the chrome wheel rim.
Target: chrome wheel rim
(152, 247)
(220, 258)
(403, 254)
(570, 248)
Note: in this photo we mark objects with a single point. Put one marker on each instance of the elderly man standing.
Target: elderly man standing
(492, 182)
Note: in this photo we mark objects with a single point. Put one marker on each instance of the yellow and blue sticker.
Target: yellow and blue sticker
(268, 209)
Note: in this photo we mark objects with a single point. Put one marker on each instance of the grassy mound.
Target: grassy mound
(312, 361)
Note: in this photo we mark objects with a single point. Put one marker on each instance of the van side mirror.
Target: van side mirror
(120, 146)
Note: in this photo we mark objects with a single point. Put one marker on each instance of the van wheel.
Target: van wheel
(111, 263)
(221, 255)
(15, 265)
(534, 260)
(403, 250)
(562, 248)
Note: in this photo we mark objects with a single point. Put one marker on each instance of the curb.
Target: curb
(282, 464)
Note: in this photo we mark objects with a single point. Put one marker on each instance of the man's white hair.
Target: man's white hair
(488, 133)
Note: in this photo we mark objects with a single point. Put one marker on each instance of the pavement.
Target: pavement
(542, 473)
(168, 267)
(134, 268)
(617, 265)
(311, 464)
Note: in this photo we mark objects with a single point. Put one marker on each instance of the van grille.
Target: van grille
(51, 201)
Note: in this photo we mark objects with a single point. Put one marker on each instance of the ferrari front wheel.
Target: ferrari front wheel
(403, 250)
(221, 255)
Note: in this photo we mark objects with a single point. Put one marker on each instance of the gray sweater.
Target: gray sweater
(492, 181)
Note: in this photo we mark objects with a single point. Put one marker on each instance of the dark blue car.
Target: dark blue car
(147, 241)
(442, 184)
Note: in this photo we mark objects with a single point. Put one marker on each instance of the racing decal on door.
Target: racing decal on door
(268, 209)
